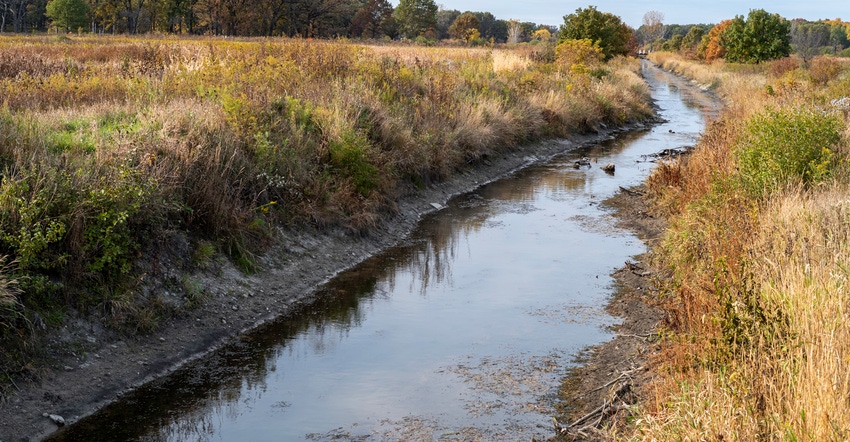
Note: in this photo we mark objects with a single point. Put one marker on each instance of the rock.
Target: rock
(437, 206)
(58, 420)
(582, 162)
(608, 168)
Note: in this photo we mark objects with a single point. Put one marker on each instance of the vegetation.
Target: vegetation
(67, 15)
(368, 19)
(109, 147)
(604, 29)
(761, 37)
(416, 18)
(756, 344)
(465, 27)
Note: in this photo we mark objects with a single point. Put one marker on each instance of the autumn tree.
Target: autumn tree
(465, 27)
(711, 48)
(761, 37)
(375, 19)
(602, 28)
(542, 34)
(68, 15)
(445, 18)
(416, 17)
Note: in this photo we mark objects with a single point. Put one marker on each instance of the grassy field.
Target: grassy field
(109, 146)
(756, 262)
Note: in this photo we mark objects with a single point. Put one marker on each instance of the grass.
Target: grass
(757, 257)
(110, 144)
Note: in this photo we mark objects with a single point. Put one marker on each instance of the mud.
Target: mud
(622, 360)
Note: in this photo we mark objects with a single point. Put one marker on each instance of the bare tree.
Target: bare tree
(807, 38)
(653, 26)
(514, 31)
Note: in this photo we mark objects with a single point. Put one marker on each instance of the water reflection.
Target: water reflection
(464, 330)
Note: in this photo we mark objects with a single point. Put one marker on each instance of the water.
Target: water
(462, 333)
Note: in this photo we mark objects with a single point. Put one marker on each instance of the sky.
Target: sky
(631, 12)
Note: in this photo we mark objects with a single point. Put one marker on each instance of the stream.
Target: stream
(463, 332)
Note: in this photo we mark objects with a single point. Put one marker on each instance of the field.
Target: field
(111, 147)
(757, 341)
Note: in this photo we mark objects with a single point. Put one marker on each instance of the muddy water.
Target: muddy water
(462, 333)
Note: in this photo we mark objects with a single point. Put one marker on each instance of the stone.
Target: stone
(58, 420)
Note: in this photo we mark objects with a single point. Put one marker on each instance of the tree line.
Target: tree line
(293, 18)
(760, 36)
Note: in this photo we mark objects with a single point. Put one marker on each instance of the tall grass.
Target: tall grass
(108, 145)
(757, 253)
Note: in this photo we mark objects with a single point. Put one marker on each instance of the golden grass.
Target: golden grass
(759, 339)
(107, 142)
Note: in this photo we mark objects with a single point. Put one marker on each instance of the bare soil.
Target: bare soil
(92, 366)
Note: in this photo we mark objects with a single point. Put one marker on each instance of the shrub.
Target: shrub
(824, 69)
(582, 53)
(782, 146)
(781, 66)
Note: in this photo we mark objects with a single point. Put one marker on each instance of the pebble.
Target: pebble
(58, 420)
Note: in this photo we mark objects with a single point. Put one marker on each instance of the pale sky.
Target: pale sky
(631, 12)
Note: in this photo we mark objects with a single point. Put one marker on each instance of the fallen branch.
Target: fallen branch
(632, 192)
(609, 407)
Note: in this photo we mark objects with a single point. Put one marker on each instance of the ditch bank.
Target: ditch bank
(92, 366)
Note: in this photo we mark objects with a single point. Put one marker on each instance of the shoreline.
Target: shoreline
(92, 366)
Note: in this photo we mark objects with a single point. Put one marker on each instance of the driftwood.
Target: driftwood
(591, 422)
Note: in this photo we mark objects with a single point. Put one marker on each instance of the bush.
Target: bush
(824, 69)
(581, 52)
(782, 146)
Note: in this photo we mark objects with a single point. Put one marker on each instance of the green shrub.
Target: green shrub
(782, 146)
(350, 154)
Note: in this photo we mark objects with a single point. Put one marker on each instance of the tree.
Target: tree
(710, 48)
(807, 38)
(514, 31)
(761, 37)
(602, 28)
(653, 26)
(691, 41)
(445, 18)
(838, 37)
(542, 35)
(465, 27)
(17, 11)
(68, 15)
(416, 17)
(375, 19)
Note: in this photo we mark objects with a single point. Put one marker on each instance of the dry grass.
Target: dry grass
(106, 143)
(757, 347)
